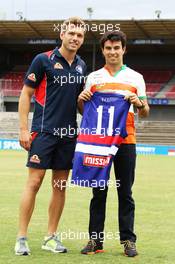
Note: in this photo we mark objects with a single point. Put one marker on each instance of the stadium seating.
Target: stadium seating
(147, 132)
(171, 93)
(11, 83)
(9, 124)
(151, 132)
(156, 80)
(153, 88)
(156, 76)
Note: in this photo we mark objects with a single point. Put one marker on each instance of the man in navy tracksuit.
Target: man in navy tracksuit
(55, 79)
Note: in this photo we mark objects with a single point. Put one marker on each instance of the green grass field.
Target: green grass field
(155, 215)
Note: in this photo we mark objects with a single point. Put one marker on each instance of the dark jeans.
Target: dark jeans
(124, 167)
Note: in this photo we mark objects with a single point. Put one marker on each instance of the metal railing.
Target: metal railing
(167, 95)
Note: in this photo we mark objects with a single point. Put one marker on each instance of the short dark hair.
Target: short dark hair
(113, 36)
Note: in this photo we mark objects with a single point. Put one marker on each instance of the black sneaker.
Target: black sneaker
(129, 248)
(92, 247)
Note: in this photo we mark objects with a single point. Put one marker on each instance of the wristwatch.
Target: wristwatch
(141, 106)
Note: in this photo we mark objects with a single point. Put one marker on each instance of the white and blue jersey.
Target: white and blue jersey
(102, 130)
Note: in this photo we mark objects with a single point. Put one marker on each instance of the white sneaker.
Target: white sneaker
(21, 247)
(52, 243)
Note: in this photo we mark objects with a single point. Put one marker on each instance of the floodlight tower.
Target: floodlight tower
(90, 12)
(158, 12)
(20, 15)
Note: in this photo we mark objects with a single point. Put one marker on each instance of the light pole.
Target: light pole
(90, 12)
(158, 12)
(20, 15)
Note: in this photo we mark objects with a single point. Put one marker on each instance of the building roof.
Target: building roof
(159, 29)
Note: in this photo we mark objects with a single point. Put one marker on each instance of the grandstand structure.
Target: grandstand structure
(1, 101)
(150, 51)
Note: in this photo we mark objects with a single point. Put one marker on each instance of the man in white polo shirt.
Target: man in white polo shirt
(118, 78)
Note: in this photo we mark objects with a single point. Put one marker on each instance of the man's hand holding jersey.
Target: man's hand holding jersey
(85, 95)
(142, 105)
(133, 99)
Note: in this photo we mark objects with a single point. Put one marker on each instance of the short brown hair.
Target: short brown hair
(77, 21)
(113, 36)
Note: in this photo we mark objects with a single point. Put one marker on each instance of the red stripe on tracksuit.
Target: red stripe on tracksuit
(40, 92)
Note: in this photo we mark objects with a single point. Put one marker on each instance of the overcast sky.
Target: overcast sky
(102, 9)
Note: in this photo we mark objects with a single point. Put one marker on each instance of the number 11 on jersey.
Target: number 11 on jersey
(109, 129)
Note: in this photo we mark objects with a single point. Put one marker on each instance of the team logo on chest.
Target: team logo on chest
(58, 65)
(79, 69)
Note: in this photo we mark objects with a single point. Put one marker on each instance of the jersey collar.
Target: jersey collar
(58, 54)
(123, 67)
